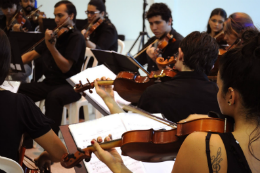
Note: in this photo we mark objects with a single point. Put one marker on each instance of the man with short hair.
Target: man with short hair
(190, 88)
(28, 6)
(62, 58)
(160, 20)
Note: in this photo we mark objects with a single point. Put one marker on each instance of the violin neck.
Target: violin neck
(105, 82)
(107, 145)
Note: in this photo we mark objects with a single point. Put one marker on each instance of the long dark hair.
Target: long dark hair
(216, 11)
(239, 69)
(5, 56)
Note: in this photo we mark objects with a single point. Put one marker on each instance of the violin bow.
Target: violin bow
(39, 42)
(32, 13)
(146, 114)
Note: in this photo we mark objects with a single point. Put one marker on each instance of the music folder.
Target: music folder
(116, 62)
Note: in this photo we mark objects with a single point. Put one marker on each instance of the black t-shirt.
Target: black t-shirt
(27, 24)
(105, 36)
(71, 46)
(169, 50)
(19, 114)
(187, 93)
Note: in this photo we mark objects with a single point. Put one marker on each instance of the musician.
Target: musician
(237, 151)
(216, 21)
(20, 115)
(10, 8)
(105, 35)
(160, 19)
(28, 6)
(63, 57)
(234, 27)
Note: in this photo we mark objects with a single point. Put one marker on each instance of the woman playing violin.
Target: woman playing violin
(12, 17)
(234, 27)
(216, 21)
(160, 20)
(237, 151)
(104, 35)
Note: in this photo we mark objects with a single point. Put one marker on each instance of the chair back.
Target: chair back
(88, 55)
(9, 165)
(121, 44)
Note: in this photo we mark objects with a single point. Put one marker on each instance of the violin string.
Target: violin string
(29, 162)
(142, 112)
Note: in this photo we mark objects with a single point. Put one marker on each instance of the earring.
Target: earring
(229, 103)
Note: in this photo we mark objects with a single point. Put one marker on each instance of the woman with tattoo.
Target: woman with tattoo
(238, 97)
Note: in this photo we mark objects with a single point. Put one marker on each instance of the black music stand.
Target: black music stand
(116, 62)
(21, 42)
(50, 24)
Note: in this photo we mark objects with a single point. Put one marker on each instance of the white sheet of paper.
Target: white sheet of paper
(93, 73)
(12, 86)
(116, 125)
(83, 133)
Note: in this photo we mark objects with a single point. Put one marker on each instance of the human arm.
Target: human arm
(192, 154)
(110, 157)
(54, 149)
(29, 56)
(107, 94)
(63, 64)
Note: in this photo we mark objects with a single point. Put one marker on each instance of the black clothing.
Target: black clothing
(55, 89)
(19, 114)
(27, 25)
(169, 50)
(236, 159)
(105, 36)
(186, 93)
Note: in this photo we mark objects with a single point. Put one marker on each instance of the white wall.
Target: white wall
(188, 15)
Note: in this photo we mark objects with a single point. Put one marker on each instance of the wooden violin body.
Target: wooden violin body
(130, 86)
(17, 19)
(150, 145)
(91, 28)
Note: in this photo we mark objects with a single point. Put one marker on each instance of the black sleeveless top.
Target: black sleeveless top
(236, 161)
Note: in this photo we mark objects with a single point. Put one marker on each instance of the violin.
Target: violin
(18, 18)
(34, 15)
(128, 85)
(165, 62)
(220, 38)
(61, 31)
(92, 27)
(152, 145)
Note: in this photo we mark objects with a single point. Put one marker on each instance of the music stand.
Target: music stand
(116, 62)
(20, 43)
(50, 24)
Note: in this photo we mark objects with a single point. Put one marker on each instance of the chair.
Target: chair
(9, 165)
(121, 44)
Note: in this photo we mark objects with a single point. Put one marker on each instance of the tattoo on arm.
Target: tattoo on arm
(215, 161)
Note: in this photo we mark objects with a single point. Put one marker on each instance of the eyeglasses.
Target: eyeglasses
(91, 12)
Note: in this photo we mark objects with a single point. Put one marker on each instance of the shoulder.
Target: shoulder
(194, 146)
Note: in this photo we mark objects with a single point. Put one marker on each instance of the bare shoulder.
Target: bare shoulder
(192, 154)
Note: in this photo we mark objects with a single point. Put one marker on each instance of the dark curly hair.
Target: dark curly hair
(159, 9)
(217, 11)
(239, 69)
(200, 51)
(9, 3)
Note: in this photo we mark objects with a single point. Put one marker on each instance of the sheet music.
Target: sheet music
(116, 125)
(93, 73)
(12, 86)
(83, 133)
